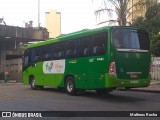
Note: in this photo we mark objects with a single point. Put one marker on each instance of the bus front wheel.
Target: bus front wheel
(33, 84)
(70, 86)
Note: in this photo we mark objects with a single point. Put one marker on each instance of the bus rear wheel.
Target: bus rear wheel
(70, 86)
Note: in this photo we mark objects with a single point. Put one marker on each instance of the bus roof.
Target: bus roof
(73, 35)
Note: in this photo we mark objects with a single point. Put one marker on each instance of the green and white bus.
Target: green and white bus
(100, 59)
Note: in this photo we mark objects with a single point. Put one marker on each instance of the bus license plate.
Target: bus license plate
(133, 75)
(134, 81)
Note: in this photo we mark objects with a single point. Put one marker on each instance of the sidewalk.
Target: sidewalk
(9, 81)
(154, 87)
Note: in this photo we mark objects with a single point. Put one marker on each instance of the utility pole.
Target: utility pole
(38, 13)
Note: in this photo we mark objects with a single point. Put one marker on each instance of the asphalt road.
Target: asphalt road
(17, 97)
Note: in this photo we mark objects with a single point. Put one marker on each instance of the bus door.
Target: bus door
(36, 65)
(26, 66)
(132, 57)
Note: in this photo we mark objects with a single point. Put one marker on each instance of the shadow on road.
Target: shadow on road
(115, 96)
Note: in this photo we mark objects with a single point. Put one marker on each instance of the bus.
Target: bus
(100, 59)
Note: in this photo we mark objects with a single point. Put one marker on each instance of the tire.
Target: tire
(33, 84)
(70, 86)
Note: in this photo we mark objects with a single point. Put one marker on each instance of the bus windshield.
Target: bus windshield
(124, 38)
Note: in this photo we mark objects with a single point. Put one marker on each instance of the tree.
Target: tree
(155, 45)
(139, 22)
(121, 8)
(151, 23)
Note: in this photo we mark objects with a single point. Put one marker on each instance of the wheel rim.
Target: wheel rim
(33, 83)
(69, 86)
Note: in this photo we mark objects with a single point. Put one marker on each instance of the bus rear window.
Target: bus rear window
(130, 39)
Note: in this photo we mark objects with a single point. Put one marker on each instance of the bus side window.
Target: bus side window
(38, 54)
(46, 53)
(55, 52)
(84, 47)
(70, 49)
(32, 56)
(98, 44)
(61, 54)
(86, 51)
(26, 58)
(59, 51)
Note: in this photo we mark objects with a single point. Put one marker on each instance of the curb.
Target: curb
(10, 82)
(141, 90)
(145, 90)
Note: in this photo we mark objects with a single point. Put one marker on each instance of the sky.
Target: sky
(75, 14)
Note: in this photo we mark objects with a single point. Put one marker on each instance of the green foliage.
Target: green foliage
(151, 22)
(155, 45)
(139, 22)
(152, 11)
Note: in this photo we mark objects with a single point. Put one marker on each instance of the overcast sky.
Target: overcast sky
(75, 14)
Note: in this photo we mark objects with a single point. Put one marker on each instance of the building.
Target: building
(53, 23)
(13, 41)
(138, 11)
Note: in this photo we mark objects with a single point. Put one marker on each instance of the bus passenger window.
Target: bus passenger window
(46, 53)
(32, 56)
(98, 44)
(61, 54)
(86, 51)
(55, 55)
(98, 50)
(84, 47)
(59, 51)
(71, 49)
(38, 55)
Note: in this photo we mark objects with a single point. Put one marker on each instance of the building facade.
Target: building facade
(138, 10)
(53, 23)
(13, 41)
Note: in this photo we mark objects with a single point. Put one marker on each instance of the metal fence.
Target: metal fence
(155, 68)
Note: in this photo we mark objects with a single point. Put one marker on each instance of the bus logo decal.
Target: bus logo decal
(121, 70)
(56, 66)
(49, 67)
(91, 60)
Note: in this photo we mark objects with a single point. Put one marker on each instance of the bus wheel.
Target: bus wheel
(70, 86)
(33, 84)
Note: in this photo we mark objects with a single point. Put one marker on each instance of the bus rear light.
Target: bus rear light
(112, 69)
